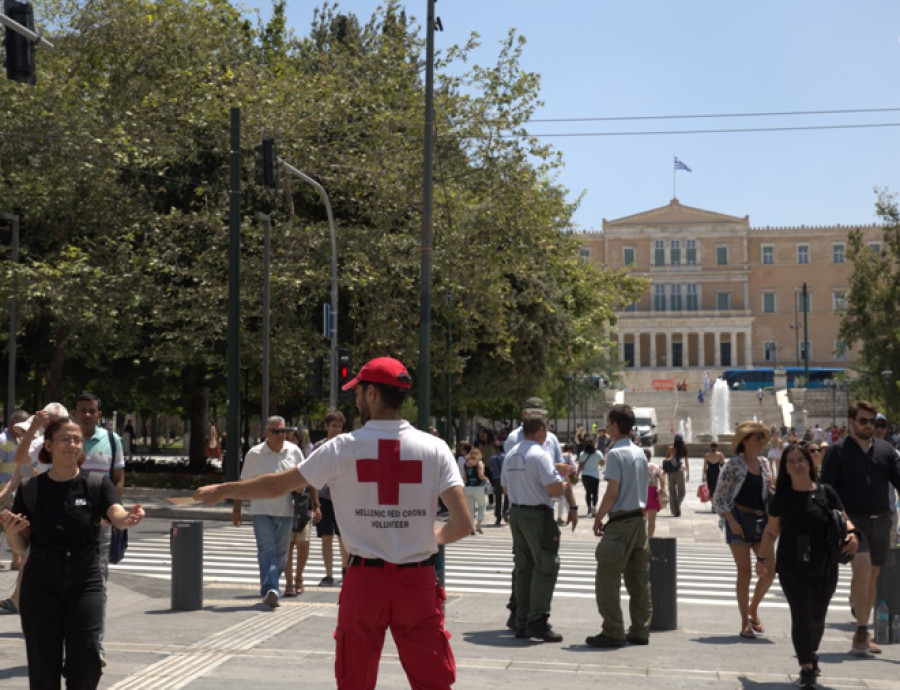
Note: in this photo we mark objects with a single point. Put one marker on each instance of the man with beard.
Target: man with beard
(385, 479)
(861, 468)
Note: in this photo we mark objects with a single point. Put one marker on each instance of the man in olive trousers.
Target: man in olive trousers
(624, 549)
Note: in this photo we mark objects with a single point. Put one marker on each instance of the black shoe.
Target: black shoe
(816, 668)
(632, 639)
(521, 634)
(511, 621)
(807, 678)
(326, 581)
(604, 641)
(497, 521)
(541, 630)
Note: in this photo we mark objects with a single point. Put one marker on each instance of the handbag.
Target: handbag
(703, 493)
(302, 504)
(837, 532)
(118, 542)
(671, 465)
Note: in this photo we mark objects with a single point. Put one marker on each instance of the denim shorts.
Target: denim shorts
(753, 526)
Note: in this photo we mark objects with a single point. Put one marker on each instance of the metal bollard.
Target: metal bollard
(186, 546)
(888, 587)
(663, 584)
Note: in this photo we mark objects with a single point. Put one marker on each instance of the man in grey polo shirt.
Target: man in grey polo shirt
(623, 548)
(532, 481)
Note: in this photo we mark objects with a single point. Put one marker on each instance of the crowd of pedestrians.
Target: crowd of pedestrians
(776, 494)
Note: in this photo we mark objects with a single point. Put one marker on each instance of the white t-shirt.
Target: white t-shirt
(263, 460)
(385, 479)
(551, 444)
(527, 471)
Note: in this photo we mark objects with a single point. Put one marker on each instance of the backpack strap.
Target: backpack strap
(112, 453)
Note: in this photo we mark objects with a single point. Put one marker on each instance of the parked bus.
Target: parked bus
(764, 377)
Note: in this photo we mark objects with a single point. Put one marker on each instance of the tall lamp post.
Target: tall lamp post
(832, 384)
(886, 377)
(13, 309)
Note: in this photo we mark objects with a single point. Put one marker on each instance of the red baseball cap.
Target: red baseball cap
(384, 370)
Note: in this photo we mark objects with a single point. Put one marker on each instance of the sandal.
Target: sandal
(8, 605)
(300, 588)
(748, 634)
(290, 591)
(755, 624)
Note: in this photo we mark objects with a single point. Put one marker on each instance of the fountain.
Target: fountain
(686, 429)
(719, 418)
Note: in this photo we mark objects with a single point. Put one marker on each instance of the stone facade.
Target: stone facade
(724, 294)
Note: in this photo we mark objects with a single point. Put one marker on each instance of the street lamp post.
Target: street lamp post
(886, 377)
(13, 310)
(333, 357)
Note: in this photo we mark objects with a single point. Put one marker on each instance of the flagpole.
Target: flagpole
(674, 191)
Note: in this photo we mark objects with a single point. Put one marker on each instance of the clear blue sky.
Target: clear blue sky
(613, 58)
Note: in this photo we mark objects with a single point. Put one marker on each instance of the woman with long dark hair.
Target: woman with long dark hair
(590, 460)
(57, 515)
(800, 513)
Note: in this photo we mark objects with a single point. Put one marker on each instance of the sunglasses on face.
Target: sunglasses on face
(865, 421)
(814, 450)
(277, 431)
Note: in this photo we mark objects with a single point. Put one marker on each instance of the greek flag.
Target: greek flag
(681, 166)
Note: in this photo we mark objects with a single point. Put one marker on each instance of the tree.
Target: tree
(871, 320)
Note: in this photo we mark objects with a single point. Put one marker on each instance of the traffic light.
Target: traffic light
(265, 164)
(345, 368)
(19, 50)
(314, 378)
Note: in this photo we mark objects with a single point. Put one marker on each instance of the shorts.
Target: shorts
(302, 535)
(328, 525)
(652, 499)
(753, 526)
(874, 536)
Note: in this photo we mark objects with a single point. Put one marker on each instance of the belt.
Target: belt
(752, 511)
(869, 517)
(539, 507)
(626, 515)
(379, 563)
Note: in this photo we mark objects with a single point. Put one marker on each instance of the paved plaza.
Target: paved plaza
(235, 642)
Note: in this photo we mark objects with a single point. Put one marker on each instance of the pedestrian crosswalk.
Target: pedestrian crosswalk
(478, 565)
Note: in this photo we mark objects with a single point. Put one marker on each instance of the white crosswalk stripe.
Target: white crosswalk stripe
(481, 565)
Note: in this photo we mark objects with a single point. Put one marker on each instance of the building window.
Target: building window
(840, 351)
(631, 307)
(659, 298)
(875, 247)
(693, 297)
(659, 253)
(837, 253)
(768, 302)
(675, 297)
(800, 306)
(690, 248)
(839, 300)
(722, 256)
(770, 351)
(628, 256)
(768, 255)
(675, 253)
(802, 253)
(723, 301)
(584, 254)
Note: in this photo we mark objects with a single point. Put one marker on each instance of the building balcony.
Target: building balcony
(685, 314)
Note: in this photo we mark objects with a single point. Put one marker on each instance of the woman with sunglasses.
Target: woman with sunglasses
(57, 515)
(800, 513)
(815, 453)
(744, 486)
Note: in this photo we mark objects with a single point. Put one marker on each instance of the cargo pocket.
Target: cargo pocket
(550, 534)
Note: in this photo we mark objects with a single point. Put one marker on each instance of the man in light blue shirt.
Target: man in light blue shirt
(531, 479)
(623, 549)
(535, 407)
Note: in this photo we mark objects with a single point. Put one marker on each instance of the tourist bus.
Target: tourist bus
(764, 377)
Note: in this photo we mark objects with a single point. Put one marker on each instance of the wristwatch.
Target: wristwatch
(573, 507)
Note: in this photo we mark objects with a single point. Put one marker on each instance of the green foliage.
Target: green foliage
(872, 320)
(118, 165)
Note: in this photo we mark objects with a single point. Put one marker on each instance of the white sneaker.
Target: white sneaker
(272, 599)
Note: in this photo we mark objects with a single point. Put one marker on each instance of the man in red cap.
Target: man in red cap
(385, 480)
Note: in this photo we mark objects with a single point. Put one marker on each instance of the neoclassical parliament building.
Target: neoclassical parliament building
(724, 294)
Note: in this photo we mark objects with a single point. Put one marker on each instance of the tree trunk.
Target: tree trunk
(197, 450)
(54, 370)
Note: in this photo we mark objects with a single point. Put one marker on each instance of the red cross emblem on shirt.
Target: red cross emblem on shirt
(389, 471)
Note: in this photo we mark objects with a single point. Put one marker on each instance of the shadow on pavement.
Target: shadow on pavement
(497, 638)
(14, 672)
(732, 639)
